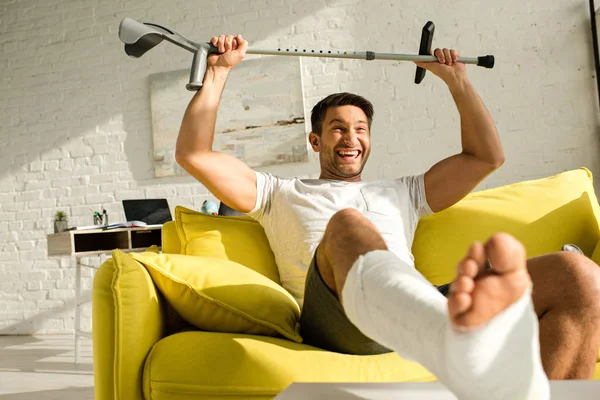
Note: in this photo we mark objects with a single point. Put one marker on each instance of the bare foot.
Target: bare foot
(478, 294)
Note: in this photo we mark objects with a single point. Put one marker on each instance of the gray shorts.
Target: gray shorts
(323, 322)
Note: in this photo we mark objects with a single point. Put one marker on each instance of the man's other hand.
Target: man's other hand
(447, 68)
(233, 49)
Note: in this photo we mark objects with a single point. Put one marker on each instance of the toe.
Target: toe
(462, 284)
(458, 303)
(468, 267)
(477, 253)
(505, 253)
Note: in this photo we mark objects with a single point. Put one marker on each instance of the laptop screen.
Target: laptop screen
(150, 211)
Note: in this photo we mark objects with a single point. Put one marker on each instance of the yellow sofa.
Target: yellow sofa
(143, 350)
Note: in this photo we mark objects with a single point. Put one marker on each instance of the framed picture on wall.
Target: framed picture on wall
(260, 118)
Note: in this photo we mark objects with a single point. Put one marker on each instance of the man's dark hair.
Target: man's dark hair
(336, 100)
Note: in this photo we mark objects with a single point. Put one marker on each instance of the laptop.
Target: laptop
(153, 212)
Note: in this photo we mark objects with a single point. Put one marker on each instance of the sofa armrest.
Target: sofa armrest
(128, 318)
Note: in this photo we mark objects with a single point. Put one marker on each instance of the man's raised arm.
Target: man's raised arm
(227, 177)
(453, 178)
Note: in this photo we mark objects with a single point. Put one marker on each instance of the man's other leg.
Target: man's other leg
(566, 298)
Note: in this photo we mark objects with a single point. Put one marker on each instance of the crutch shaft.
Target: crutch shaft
(358, 55)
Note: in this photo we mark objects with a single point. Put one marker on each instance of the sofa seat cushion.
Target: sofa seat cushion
(543, 214)
(207, 365)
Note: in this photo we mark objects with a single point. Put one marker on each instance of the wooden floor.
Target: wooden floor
(43, 368)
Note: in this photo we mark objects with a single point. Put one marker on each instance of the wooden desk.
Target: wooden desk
(95, 242)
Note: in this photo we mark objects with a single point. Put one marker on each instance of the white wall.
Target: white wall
(76, 126)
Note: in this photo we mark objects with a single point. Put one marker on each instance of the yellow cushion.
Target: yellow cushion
(219, 295)
(543, 214)
(236, 238)
(206, 365)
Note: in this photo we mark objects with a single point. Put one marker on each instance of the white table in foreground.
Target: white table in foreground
(561, 390)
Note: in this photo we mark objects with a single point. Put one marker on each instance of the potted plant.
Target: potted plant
(60, 222)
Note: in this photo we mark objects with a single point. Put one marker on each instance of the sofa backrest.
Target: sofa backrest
(170, 240)
(544, 214)
(236, 238)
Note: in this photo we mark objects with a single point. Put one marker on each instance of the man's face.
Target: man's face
(344, 145)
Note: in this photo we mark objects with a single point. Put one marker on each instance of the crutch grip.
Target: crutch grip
(425, 48)
(485, 61)
(199, 66)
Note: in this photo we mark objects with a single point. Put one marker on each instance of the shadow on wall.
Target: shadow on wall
(17, 341)
(89, 87)
(36, 323)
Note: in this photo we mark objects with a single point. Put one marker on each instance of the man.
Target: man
(343, 249)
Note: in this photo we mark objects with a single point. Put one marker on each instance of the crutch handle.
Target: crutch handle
(425, 48)
(199, 64)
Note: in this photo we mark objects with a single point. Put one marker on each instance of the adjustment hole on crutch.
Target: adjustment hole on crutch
(287, 49)
(329, 51)
(279, 49)
(296, 50)
(320, 51)
(304, 50)
(312, 51)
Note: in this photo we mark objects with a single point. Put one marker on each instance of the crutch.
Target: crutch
(140, 37)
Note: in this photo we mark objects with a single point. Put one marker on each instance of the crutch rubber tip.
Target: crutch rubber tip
(485, 61)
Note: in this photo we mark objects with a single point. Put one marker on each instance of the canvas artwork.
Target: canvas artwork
(260, 118)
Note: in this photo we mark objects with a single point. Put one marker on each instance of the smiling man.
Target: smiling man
(343, 249)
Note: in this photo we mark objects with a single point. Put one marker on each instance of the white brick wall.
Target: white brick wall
(76, 128)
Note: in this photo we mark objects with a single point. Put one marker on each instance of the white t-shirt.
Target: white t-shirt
(294, 214)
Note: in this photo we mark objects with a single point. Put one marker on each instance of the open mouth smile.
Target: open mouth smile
(348, 154)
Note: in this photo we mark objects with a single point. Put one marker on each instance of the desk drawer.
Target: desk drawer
(145, 238)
